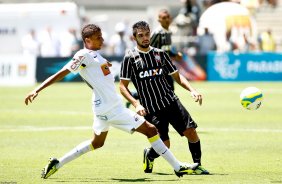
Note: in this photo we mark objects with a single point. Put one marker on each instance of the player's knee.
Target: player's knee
(97, 145)
(191, 134)
(151, 131)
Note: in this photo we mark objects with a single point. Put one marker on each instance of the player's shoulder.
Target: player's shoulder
(130, 53)
(159, 30)
(81, 52)
(157, 49)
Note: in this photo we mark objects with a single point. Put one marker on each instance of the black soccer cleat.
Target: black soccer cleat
(186, 169)
(147, 163)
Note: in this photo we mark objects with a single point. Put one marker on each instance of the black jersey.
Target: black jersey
(161, 38)
(148, 71)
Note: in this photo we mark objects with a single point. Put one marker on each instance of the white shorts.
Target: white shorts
(119, 117)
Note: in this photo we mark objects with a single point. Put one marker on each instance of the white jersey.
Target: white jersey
(94, 69)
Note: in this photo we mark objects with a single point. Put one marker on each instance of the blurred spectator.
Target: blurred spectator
(206, 43)
(30, 44)
(69, 43)
(230, 45)
(49, 43)
(161, 38)
(185, 25)
(248, 45)
(117, 42)
(191, 8)
(266, 41)
(272, 3)
(251, 5)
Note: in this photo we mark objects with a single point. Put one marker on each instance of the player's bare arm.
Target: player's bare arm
(182, 81)
(52, 79)
(123, 87)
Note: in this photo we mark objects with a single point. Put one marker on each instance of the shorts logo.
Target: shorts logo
(101, 117)
(150, 73)
(136, 118)
(105, 69)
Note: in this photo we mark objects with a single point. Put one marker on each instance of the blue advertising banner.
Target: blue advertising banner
(45, 67)
(230, 66)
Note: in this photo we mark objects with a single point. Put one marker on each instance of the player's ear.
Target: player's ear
(86, 40)
(134, 38)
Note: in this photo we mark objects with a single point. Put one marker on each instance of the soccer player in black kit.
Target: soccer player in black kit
(161, 38)
(147, 68)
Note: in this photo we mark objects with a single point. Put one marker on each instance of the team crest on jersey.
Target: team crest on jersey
(77, 62)
(150, 73)
(105, 69)
(157, 57)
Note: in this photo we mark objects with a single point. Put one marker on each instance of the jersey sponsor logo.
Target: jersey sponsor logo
(76, 62)
(105, 69)
(151, 73)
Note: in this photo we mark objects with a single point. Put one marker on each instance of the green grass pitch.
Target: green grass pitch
(238, 145)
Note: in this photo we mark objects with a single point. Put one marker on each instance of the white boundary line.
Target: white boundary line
(59, 128)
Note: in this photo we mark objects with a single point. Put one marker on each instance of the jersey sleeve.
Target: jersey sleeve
(169, 66)
(125, 70)
(78, 62)
(154, 40)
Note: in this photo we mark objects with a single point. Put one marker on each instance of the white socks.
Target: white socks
(79, 150)
(155, 141)
(163, 151)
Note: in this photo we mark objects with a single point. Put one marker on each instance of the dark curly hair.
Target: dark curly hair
(140, 25)
(89, 30)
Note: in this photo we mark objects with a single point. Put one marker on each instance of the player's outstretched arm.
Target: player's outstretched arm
(182, 81)
(52, 79)
(123, 87)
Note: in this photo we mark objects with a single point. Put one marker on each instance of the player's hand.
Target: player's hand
(197, 96)
(30, 97)
(140, 110)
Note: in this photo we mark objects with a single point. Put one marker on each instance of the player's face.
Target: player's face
(94, 42)
(164, 19)
(143, 38)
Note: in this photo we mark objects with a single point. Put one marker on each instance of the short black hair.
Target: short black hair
(89, 30)
(140, 25)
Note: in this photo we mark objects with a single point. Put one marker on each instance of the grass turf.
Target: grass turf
(239, 146)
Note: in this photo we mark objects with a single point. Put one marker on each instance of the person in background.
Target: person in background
(117, 42)
(267, 42)
(30, 44)
(206, 42)
(161, 38)
(69, 43)
(49, 43)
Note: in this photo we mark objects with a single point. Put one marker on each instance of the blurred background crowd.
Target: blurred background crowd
(116, 18)
(51, 29)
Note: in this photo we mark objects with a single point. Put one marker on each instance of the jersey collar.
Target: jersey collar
(143, 51)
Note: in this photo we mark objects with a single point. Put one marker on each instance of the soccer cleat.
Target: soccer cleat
(201, 170)
(50, 168)
(147, 163)
(186, 169)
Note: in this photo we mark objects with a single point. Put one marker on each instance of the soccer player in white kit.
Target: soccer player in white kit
(107, 105)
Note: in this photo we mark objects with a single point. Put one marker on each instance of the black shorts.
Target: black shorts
(176, 115)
